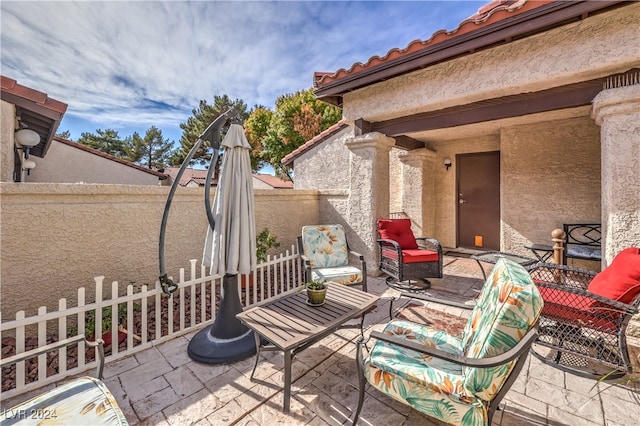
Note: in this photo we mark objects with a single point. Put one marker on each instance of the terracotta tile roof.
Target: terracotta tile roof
(274, 181)
(313, 142)
(11, 86)
(488, 14)
(108, 157)
(198, 176)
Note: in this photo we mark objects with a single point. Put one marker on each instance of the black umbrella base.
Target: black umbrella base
(208, 349)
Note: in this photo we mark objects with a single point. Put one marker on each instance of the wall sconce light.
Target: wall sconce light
(27, 139)
(28, 165)
(447, 163)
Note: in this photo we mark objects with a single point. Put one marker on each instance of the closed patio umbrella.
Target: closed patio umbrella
(230, 249)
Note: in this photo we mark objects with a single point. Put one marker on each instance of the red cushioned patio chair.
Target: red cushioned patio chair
(406, 258)
(585, 314)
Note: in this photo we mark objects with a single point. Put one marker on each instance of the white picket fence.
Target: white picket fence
(145, 317)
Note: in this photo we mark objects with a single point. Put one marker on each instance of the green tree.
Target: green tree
(64, 135)
(152, 151)
(198, 122)
(106, 141)
(255, 129)
(298, 117)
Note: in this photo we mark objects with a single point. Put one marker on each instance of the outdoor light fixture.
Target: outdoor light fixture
(27, 139)
(447, 163)
(27, 165)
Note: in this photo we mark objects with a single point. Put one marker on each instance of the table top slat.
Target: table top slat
(289, 322)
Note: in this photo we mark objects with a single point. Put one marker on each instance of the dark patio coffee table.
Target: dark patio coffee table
(493, 257)
(290, 325)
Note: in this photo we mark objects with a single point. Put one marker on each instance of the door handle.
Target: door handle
(461, 201)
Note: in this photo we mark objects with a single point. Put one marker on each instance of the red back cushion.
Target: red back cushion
(398, 230)
(621, 280)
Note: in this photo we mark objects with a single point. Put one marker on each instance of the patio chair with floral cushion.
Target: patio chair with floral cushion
(585, 315)
(458, 380)
(327, 257)
(80, 401)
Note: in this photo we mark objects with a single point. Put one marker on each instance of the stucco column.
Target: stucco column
(418, 189)
(368, 190)
(617, 112)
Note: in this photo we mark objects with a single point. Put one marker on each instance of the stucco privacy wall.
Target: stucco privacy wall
(596, 47)
(550, 175)
(7, 119)
(66, 164)
(57, 237)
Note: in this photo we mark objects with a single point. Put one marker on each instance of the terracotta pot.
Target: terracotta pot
(106, 336)
(246, 281)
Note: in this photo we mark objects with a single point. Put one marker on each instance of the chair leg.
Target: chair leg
(361, 380)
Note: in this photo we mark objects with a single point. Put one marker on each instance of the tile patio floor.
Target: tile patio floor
(163, 386)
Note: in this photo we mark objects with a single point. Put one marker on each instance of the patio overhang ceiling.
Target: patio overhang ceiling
(35, 111)
(560, 98)
(519, 26)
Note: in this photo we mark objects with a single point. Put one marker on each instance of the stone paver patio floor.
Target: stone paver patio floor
(163, 386)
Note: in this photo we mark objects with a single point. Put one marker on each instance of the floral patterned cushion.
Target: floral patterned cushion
(83, 401)
(339, 274)
(507, 308)
(430, 385)
(325, 245)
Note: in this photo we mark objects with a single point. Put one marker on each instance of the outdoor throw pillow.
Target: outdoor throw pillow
(621, 280)
(398, 230)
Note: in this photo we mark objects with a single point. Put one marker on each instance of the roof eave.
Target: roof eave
(522, 25)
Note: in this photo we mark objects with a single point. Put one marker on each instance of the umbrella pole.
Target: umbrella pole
(227, 339)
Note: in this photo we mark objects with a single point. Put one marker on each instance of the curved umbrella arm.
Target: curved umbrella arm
(167, 285)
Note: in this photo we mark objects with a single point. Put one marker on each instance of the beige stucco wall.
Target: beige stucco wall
(57, 237)
(326, 166)
(66, 164)
(7, 117)
(596, 47)
(550, 175)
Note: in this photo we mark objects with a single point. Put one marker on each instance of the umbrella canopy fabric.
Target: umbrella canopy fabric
(230, 248)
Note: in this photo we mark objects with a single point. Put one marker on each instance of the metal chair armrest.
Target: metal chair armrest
(98, 344)
(513, 353)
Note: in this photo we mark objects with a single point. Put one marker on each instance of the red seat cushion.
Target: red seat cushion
(578, 310)
(398, 230)
(621, 280)
(418, 256)
(413, 255)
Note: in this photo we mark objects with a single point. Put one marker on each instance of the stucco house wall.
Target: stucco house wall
(68, 164)
(550, 176)
(76, 232)
(593, 48)
(8, 113)
(325, 166)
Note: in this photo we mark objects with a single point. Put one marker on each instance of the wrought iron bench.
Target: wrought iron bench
(582, 241)
(583, 322)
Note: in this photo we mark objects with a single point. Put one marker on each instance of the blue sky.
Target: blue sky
(129, 65)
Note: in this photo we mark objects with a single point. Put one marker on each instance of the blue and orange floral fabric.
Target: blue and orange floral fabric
(326, 248)
(507, 308)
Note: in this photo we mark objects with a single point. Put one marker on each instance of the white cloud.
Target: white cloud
(127, 63)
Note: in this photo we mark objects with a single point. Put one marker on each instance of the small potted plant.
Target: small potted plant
(316, 292)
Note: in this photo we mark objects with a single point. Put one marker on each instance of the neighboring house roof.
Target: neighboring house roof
(197, 176)
(110, 157)
(317, 140)
(274, 181)
(498, 22)
(35, 110)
